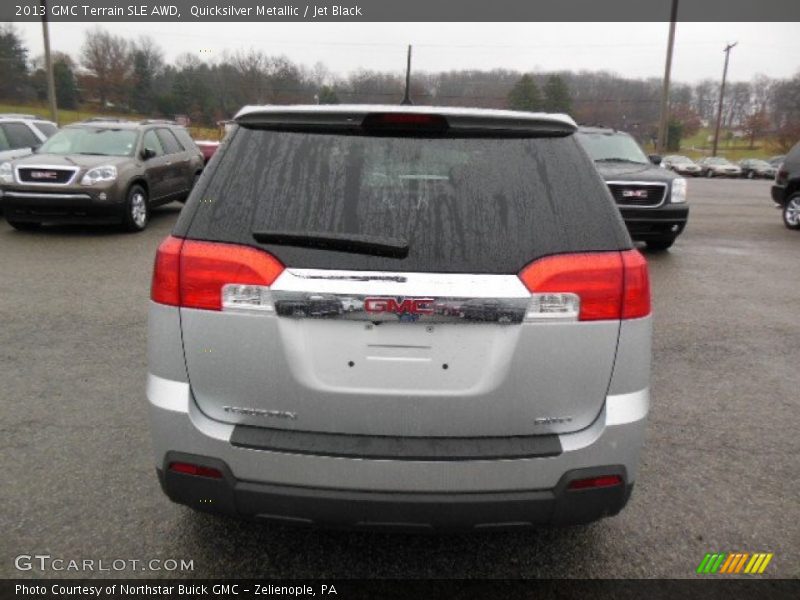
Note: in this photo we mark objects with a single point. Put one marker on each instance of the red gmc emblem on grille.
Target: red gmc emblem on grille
(44, 175)
(411, 306)
(634, 193)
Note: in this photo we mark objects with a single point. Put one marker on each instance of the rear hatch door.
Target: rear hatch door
(399, 311)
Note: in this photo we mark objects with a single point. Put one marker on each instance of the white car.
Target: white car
(20, 134)
(716, 166)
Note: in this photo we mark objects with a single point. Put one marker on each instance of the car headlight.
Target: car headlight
(678, 190)
(98, 174)
(6, 173)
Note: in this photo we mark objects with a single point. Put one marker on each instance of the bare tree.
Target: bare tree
(106, 57)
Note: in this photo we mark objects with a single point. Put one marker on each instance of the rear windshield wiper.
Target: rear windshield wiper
(340, 242)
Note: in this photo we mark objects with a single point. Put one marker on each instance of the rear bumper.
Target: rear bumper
(70, 206)
(395, 494)
(691, 173)
(394, 510)
(778, 193)
(648, 223)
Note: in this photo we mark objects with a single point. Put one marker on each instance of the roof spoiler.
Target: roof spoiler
(465, 123)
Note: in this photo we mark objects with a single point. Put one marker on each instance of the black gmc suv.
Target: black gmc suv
(652, 200)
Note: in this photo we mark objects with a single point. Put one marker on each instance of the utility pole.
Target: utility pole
(48, 65)
(727, 52)
(407, 96)
(664, 123)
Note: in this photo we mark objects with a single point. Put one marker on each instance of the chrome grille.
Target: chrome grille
(633, 193)
(45, 175)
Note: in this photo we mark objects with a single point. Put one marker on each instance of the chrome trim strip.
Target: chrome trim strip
(46, 195)
(46, 168)
(391, 296)
(654, 183)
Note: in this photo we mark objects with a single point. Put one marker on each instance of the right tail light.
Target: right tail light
(588, 286)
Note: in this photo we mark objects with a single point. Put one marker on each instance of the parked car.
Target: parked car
(753, 168)
(652, 200)
(22, 134)
(101, 171)
(682, 165)
(776, 161)
(716, 166)
(395, 414)
(207, 148)
(786, 189)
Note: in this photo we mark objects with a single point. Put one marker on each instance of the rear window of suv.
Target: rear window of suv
(469, 205)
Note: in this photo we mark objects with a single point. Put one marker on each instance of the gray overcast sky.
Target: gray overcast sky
(632, 49)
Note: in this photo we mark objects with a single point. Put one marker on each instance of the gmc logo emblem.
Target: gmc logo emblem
(44, 175)
(411, 306)
(634, 193)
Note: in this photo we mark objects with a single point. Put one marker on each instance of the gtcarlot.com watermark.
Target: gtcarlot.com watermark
(46, 562)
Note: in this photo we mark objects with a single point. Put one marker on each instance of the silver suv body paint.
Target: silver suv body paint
(399, 319)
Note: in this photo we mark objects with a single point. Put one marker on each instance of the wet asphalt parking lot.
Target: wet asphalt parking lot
(720, 470)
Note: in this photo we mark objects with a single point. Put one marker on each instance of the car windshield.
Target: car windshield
(91, 140)
(759, 163)
(718, 161)
(611, 147)
(48, 129)
(683, 160)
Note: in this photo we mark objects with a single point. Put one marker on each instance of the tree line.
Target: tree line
(115, 73)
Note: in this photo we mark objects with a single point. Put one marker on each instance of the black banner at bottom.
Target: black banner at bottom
(346, 589)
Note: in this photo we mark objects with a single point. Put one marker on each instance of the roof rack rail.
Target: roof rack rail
(19, 116)
(103, 120)
(157, 122)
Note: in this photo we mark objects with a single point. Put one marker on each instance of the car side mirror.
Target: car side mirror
(148, 153)
(655, 158)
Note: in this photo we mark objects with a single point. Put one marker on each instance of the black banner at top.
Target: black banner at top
(354, 11)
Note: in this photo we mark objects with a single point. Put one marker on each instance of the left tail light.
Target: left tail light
(212, 275)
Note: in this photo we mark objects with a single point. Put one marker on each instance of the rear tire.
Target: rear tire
(791, 212)
(137, 209)
(750, 175)
(709, 173)
(24, 225)
(660, 244)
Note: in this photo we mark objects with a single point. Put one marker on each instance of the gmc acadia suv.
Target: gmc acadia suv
(101, 171)
(400, 317)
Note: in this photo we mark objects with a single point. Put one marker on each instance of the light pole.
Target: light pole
(48, 65)
(727, 51)
(407, 95)
(664, 123)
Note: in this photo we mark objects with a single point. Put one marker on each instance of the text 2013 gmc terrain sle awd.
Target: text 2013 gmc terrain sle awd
(400, 317)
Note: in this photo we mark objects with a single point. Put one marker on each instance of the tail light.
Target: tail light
(417, 122)
(588, 287)
(196, 470)
(636, 290)
(595, 482)
(212, 275)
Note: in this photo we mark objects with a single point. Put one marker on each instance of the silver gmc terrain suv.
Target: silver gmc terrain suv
(400, 317)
